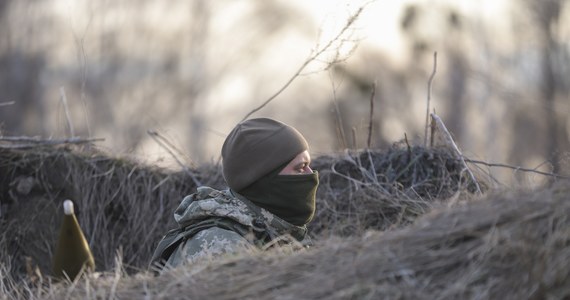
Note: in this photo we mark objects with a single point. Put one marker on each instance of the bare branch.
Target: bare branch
(516, 168)
(67, 114)
(371, 114)
(408, 144)
(7, 103)
(340, 124)
(82, 58)
(314, 55)
(354, 144)
(167, 145)
(429, 96)
(20, 142)
(447, 141)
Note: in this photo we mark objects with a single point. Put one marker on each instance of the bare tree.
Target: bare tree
(546, 17)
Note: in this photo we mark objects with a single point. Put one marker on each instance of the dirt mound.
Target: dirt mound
(124, 205)
(381, 189)
(115, 199)
(509, 246)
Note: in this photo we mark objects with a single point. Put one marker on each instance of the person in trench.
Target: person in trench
(271, 195)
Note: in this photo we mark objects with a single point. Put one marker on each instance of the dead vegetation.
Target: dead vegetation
(125, 205)
(120, 204)
(506, 246)
(372, 189)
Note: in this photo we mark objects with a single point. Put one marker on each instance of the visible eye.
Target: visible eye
(302, 168)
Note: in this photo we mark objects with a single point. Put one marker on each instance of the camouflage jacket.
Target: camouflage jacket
(212, 223)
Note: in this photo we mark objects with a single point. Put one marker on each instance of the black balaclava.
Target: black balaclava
(290, 197)
(254, 153)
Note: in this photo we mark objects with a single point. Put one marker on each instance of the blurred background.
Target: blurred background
(190, 70)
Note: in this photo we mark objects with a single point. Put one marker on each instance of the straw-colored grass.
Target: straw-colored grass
(381, 190)
(120, 204)
(507, 246)
(125, 207)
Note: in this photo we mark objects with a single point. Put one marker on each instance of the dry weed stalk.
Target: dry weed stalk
(338, 115)
(372, 96)
(441, 137)
(67, 113)
(515, 168)
(170, 148)
(24, 142)
(380, 190)
(429, 97)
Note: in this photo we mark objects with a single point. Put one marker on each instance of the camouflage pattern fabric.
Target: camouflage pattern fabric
(208, 203)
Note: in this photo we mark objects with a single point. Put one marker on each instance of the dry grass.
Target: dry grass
(125, 207)
(505, 247)
(508, 246)
(120, 203)
(381, 190)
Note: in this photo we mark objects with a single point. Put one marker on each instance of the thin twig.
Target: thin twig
(448, 141)
(161, 142)
(82, 60)
(7, 103)
(340, 123)
(354, 145)
(67, 114)
(172, 146)
(39, 140)
(408, 144)
(312, 56)
(371, 114)
(516, 168)
(20, 142)
(429, 96)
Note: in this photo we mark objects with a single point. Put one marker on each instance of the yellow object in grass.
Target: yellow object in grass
(72, 255)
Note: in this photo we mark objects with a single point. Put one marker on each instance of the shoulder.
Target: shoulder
(218, 235)
(209, 243)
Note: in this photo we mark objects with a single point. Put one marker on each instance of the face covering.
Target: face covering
(290, 197)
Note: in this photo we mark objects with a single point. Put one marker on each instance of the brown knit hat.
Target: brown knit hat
(256, 147)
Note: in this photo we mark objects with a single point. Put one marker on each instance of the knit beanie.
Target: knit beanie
(256, 147)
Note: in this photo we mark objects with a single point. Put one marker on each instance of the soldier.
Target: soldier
(271, 194)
